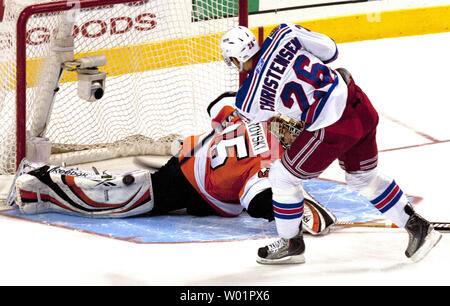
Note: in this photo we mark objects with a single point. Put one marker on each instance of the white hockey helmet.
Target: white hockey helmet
(240, 43)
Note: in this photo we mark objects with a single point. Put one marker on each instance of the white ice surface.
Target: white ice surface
(407, 80)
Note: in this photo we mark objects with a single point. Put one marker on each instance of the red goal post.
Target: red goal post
(161, 55)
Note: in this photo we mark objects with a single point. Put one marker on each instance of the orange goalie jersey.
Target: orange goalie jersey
(232, 166)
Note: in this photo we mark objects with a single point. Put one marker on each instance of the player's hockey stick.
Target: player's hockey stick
(365, 224)
(439, 226)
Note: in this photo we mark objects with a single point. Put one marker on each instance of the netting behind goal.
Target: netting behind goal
(163, 68)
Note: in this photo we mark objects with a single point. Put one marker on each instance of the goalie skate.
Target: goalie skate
(24, 167)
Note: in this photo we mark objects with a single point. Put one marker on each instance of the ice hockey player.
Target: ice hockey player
(289, 75)
(227, 174)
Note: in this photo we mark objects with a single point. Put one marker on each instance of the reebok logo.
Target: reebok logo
(259, 66)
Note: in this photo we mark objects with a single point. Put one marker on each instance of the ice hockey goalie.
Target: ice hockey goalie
(217, 180)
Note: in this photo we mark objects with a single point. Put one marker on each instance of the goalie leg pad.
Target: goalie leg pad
(82, 193)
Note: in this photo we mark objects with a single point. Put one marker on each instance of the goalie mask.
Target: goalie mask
(285, 129)
(239, 43)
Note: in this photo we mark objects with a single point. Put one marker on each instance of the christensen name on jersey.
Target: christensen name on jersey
(275, 73)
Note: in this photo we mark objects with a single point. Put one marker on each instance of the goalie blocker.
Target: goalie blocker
(47, 188)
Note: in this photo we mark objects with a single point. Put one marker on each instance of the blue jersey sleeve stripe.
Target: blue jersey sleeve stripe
(265, 55)
(243, 91)
(268, 48)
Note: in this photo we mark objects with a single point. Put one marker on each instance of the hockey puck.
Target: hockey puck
(128, 179)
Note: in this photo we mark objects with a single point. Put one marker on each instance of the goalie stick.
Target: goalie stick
(151, 165)
(204, 140)
(198, 146)
(217, 129)
(156, 166)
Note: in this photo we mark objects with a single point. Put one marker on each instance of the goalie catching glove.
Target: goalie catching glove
(83, 193)
(317, 219)
(285, 129)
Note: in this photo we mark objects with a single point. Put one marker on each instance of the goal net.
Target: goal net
(163, 67)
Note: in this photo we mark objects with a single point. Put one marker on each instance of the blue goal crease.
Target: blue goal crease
(344, 203)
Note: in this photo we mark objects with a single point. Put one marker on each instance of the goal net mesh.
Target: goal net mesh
(163, 68)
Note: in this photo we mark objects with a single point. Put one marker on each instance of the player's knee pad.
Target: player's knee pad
(368, 183)
(284, 184)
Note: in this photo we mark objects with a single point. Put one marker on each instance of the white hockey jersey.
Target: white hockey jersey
(290, 78)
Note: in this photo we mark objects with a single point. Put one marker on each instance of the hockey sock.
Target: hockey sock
(391, 203)
(383, 192)
(288, 211)
(287, 200)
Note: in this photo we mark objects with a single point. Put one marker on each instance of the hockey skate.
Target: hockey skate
(283, 251)
(422, 236)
